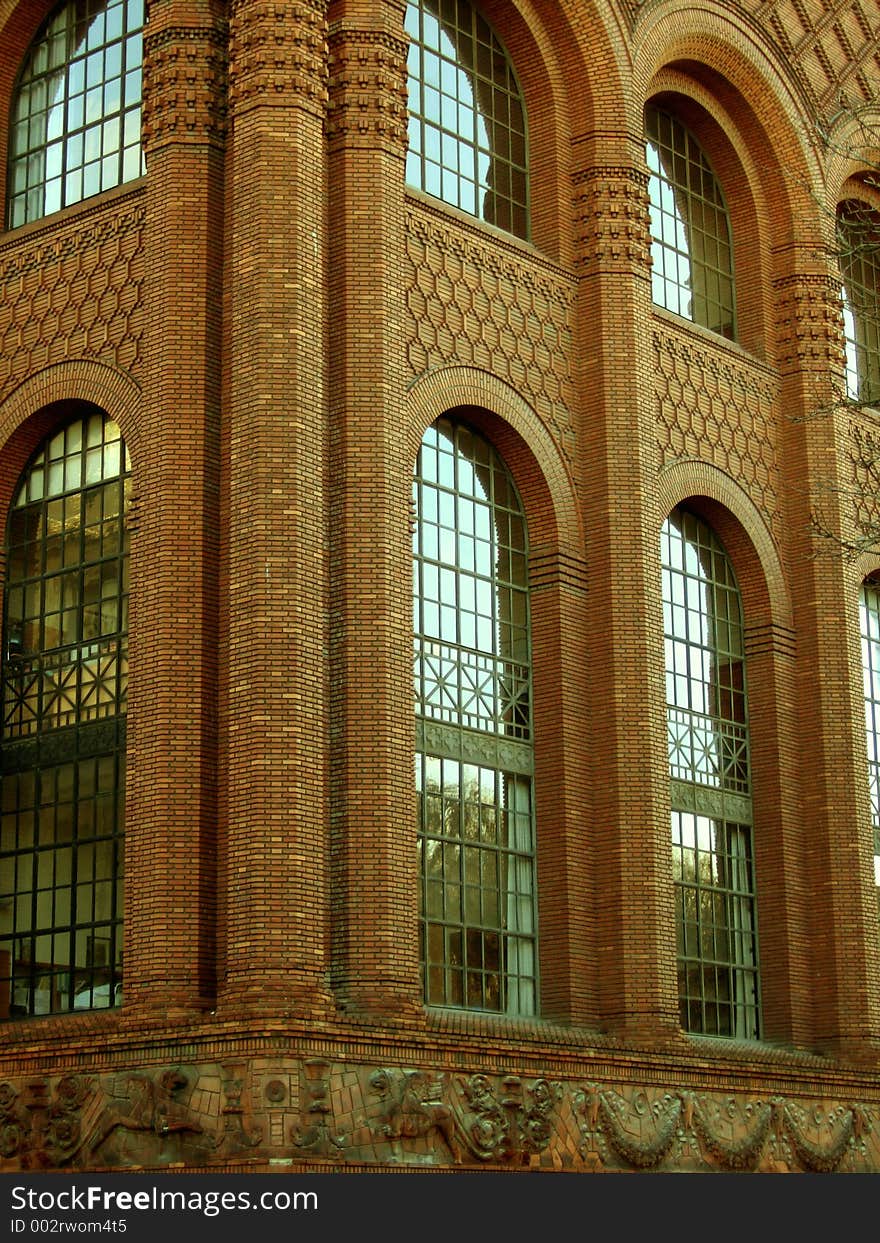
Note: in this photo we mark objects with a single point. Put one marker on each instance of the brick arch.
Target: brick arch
(742, 529)
(763, 108)
(31, 410)
(523, 440)
(853, 155)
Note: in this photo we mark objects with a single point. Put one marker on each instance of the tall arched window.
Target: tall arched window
(62, 693)
(467, 128)
(858, 240)
(870, 618)
(691, 246)
(473, 710)
(76, 112)
(710, 783)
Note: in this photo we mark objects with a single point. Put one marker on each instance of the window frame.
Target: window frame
(491, 740)
(63, 721)
(710, 798)
(672, 198)
(434, 141)
(73, 121)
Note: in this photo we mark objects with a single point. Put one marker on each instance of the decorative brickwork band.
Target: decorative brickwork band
(612, 221)
(716, 409)
(184, 86)
(42, 286)
(810, 324)
(368, 90)
(278, 54)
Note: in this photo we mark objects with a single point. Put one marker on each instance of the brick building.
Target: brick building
(515, 358)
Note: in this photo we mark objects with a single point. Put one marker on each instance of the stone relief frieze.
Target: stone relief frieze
(292, 1110)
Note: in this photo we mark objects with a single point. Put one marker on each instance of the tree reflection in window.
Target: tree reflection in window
(473, 706)
(76, 114)
(64, 677)
(858, 241)
(870, 628)
(710, 783)
(467, 132)
(691, 247)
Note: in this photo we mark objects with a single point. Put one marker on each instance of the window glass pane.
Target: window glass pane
(870, 627)
(63, 683)
(707, 719)
(691, 247)
(76, 74)
(466, 114)
(858, 240)
(472, 673)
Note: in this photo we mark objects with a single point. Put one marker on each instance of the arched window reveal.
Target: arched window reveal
(870, 619)
(76, 114)
(691, 246)
(467, 129)
(473, 706)
(64, 680)
(710, 783)
(858, 237)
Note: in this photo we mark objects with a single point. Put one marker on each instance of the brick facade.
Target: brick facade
(274, 318)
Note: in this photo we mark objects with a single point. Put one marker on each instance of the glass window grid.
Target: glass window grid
(476, 830)
(869, 610)
(476, 862)
(858, 235)
(718, 952)
(708, 749)
(66, 597)
(76, 114)
(467, 129)
(691, 247)
(61, 864)
(472, 659)
(61, 886)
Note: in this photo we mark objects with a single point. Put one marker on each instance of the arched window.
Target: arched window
(467, 128)
(870, 618)
(62, 692)
(474, 724)
(76, 112)
(710, 784)
(691, 246)
(858, 239)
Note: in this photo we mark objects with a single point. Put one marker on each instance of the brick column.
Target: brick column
(275, 928)
(841, 922)
(375, 946)
(635, 950)
(170, 881)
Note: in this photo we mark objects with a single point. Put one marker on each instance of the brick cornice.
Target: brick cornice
(368, 88)
(612, 223)
(184, 86)
(278, 54)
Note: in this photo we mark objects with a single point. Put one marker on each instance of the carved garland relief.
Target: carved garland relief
(318, 1110)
